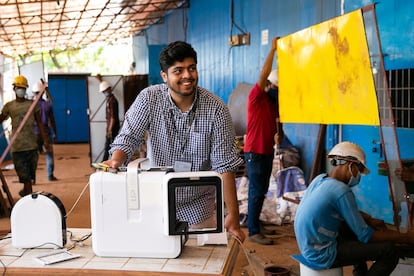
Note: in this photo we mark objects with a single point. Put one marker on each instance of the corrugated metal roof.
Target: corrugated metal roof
(32, 26)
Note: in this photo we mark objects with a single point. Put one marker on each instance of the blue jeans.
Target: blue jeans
(50, 164)
(259, 169)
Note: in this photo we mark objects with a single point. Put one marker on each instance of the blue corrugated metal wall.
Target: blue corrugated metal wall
(396, 25)
(207, 25)
(222, 66)
(393, 16)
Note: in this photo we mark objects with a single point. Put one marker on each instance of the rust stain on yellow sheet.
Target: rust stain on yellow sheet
(325, 74)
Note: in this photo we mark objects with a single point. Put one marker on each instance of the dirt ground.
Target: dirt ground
(72, 168)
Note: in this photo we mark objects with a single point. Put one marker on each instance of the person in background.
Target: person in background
(190, 129)
(49, 125)
(332, 232)
(24, 150)
(263, 128)
(111, 115)
(406, 173)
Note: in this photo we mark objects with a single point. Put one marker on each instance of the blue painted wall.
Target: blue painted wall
(396, 25)
(154, 76)
(3, 144)
(207, 26)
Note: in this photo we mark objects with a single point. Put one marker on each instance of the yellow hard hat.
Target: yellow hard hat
(20, 81)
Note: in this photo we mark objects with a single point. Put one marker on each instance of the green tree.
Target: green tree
(104, 59)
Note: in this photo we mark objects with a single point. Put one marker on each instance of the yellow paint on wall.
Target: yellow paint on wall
(325, 74)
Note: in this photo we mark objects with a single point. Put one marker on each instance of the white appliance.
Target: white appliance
(133, 212)
(38, 220)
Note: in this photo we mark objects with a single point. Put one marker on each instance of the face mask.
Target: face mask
(354, 180)
(273, 93)
(20, 92)
(106, 94)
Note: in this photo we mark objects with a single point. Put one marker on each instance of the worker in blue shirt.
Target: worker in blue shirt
(332, 232)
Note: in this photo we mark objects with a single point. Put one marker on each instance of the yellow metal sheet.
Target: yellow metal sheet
(325, 74)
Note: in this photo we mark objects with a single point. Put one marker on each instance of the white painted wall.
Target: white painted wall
(97, 121)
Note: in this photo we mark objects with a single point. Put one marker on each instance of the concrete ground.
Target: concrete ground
(72, 168)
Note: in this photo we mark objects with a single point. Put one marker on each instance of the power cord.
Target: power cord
(24, 251)
(255, 262)
(4, 268)
(77, 200)
(77, 241)
(71, 238)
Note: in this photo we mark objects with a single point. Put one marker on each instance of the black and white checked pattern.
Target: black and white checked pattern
(203, 136)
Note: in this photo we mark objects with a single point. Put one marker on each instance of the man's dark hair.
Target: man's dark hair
(176, 51)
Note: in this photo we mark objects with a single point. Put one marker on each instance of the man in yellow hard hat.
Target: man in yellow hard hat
(24, 148)
(332, 232)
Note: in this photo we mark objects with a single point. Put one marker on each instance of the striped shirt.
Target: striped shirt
(202, 136)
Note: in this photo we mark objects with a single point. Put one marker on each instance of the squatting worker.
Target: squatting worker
(332, 232)
(188, 127)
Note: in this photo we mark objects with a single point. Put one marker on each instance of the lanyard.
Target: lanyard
(192, 114)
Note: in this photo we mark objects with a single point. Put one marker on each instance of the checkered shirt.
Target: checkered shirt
(202, 136)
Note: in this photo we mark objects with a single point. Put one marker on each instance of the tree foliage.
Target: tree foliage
(104, 59)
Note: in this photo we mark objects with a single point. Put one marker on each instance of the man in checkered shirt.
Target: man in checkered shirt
(189, 127)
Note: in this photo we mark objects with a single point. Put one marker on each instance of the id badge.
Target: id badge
(182, 166)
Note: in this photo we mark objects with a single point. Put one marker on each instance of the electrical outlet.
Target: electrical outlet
(241, 39)
(245, 39)
(234, 40)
